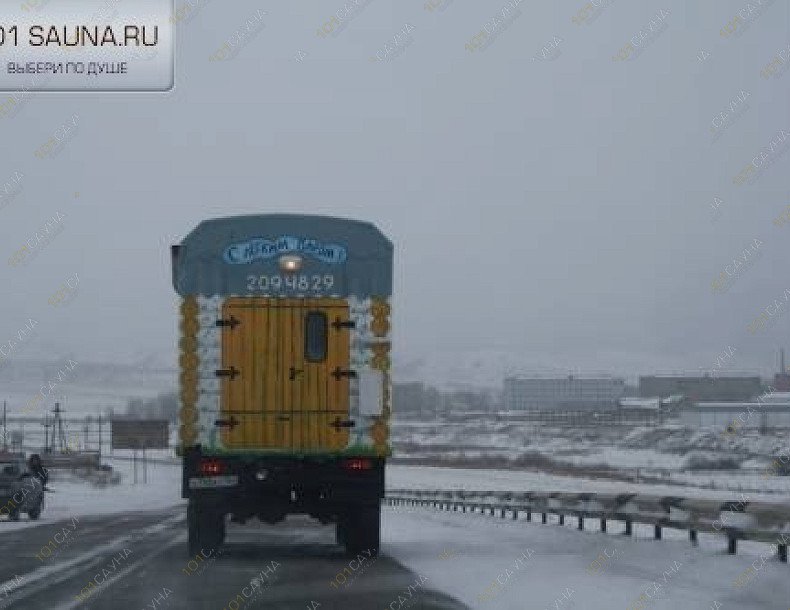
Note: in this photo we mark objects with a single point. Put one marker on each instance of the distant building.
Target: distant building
(782, 378)
(652, 404)
(470, 400)
(782, 382)
(568, 393)
(734, 416)
(409, 398)
(707, 388)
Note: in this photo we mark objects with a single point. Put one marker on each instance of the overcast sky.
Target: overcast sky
(546, 213)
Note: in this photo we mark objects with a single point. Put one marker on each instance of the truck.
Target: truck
(284, 386)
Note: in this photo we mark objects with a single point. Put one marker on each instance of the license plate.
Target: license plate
(212, 482)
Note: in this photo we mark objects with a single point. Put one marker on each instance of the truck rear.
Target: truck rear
(285, 392)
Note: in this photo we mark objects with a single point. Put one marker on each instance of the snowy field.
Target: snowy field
(421, 477)
(670, 453)
(72, 497)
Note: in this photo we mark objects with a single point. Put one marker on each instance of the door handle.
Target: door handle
(293, 372)
(232, 372)
(227, 423)
(338, 324)
(338, 373)
(347, 423)
(231, 323)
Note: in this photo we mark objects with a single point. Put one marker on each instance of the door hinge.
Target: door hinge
(231, 373)
(227, 423)
(230, 323)
(338, 373)
(344, 423)
(338, 324)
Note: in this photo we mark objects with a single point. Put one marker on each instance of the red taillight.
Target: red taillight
(211, 467)
(357, 464)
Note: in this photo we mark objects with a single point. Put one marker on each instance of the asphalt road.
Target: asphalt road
(139, 561)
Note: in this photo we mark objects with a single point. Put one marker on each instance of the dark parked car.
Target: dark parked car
(21, 491)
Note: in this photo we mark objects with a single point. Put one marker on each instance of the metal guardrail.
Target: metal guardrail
(736, 520)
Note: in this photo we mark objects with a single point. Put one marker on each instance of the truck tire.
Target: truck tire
(193, 529)
(341, 530)
(35, 512)
(205, 528)
(363, 531)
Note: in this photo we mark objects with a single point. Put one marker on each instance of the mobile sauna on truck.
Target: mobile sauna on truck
(285, 393)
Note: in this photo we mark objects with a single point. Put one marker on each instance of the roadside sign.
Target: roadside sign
(139, 434)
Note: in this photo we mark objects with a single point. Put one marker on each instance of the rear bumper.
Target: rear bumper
(283, 484)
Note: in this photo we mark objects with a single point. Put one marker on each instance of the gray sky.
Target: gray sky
(546, 213)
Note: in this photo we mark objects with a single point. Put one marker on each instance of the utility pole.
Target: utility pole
(5, 429)
(58, 423)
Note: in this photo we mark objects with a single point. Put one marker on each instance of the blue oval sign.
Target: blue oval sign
(260, 248)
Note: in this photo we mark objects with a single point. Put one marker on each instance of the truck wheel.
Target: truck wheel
(218, 530)
(205, 528)
(193, 529)
(341, 530)
(14, 514)
(34, 513)
(364, 530)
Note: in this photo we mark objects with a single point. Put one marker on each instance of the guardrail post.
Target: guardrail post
(628, 528)
(657, 534)
(544, 518)
(515, 514)
(503, 514)
(693, 537)
(732, 545)
(782, 553)
(581, 522)
(603, 525)
(463, 508)
(529, 515)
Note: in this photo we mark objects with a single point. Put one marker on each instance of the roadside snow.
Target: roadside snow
(487, 562)
(71, 497)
